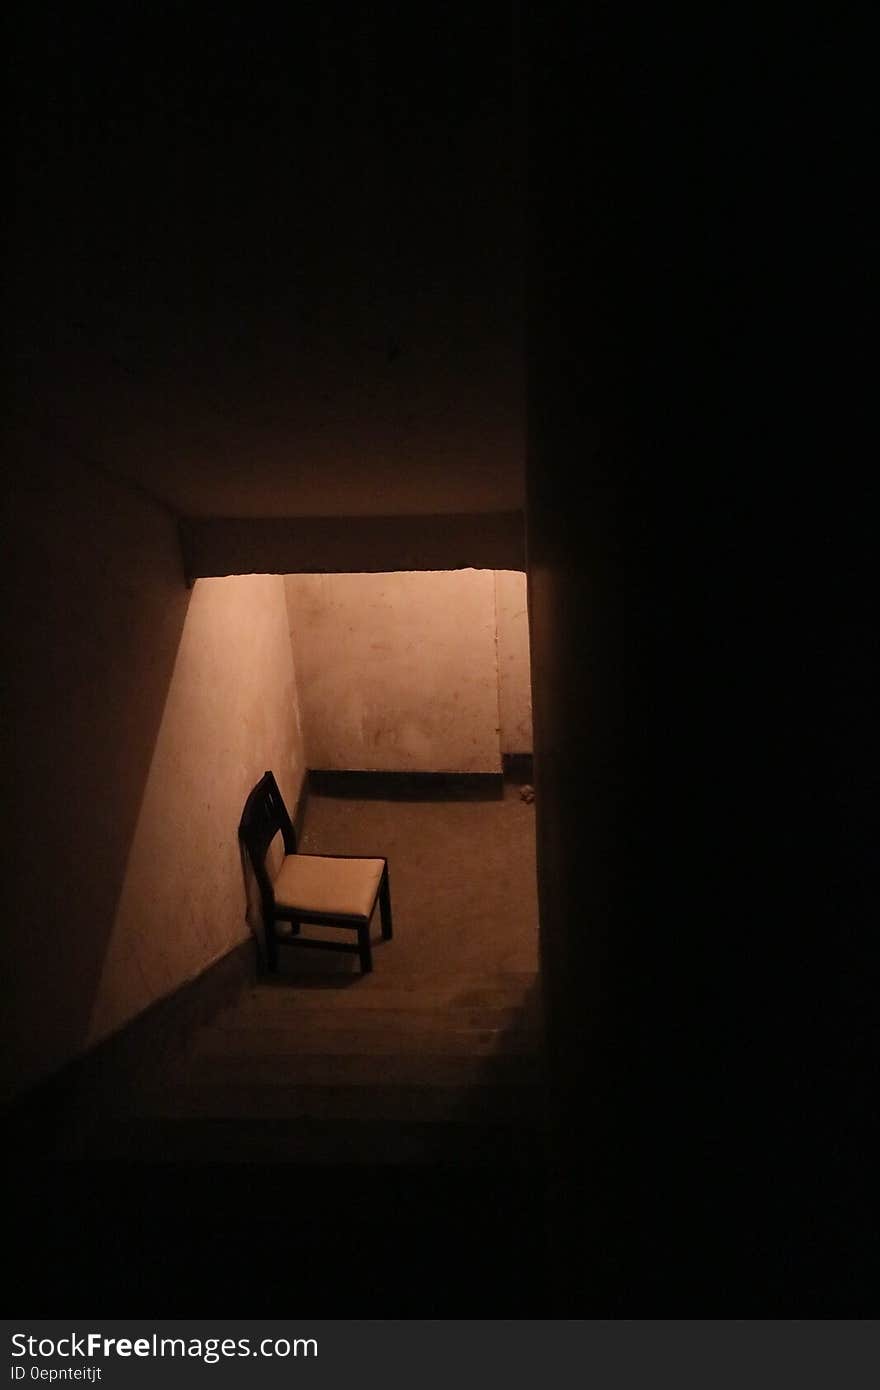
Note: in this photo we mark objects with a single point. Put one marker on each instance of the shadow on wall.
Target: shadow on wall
(126, 774)
(93, 579)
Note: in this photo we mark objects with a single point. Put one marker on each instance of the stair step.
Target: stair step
(389, 977)
(318, 1142)
(380, 1038)
(237, 1101)
(357, 996)
(421, 1069)
(416, 1018)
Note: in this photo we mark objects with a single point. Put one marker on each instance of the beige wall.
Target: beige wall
(514, 677)
(400, 672)
(138, 714)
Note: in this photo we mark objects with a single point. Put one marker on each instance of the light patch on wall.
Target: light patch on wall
(230, 713)
(400, 672)
(514, 671)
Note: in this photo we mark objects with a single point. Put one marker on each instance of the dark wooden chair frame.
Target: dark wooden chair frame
(264, 816)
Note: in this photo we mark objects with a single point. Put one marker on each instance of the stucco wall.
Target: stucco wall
(400, 672)
(397, 672)
(138, 714)
(514, 676)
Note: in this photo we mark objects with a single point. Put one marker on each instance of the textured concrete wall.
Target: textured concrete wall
(514, 677)
(397, 672)
(137, 716)
(231, 712)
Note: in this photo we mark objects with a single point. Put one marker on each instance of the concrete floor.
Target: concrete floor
(435, 1056)
(348, 1145)
(462, 876)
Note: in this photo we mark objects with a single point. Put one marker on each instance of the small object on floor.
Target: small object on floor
(527, 792)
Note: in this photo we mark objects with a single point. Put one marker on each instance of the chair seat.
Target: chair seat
(309, 883)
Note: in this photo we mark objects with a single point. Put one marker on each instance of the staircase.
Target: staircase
(324, 1143)
(376, 1137)
(352, 1071)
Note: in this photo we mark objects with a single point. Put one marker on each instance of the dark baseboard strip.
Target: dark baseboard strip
(518, 768)
(129, 1058)
(409, 786)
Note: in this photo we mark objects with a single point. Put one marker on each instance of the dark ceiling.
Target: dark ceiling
(273, 267)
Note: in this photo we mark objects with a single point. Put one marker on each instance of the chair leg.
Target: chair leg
(385, 905)
(364, 949)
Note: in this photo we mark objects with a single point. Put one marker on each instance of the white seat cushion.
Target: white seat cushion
(312, 883)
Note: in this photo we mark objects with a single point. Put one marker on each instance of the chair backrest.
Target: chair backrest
(263, 816)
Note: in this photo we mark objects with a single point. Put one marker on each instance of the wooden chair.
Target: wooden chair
(331, 890)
